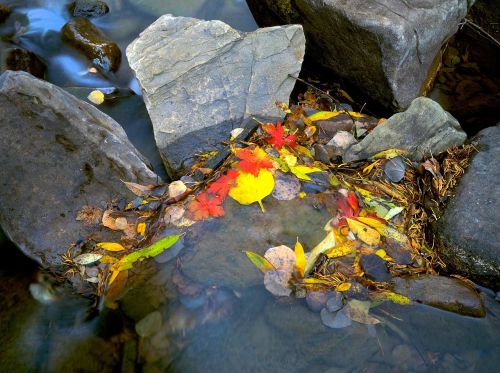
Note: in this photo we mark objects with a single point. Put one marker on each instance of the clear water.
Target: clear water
(215, 315)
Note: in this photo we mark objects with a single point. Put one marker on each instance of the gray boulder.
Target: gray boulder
(383, 47)
(201, 78)
(468, 234)
(58, 154)
(424, 129)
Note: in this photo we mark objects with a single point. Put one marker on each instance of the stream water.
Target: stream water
(207, 311)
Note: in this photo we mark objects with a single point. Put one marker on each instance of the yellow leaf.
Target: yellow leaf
(288, 157)
(343, 286)
(364, 232)
(304, 151)
(324, 115)
(252, 189)
(260, 262)
(369, 168)
(302, 171)
(300, 259)
(302, 194)
(110, 246)
(374, 223)
(393, 297)
(113, 276)
(106, 259)
(327, 244)
(310, 131)
(381, 253)
(96, 97)
(390, 153)
(141, 228)
(315, 281)
(384, 229)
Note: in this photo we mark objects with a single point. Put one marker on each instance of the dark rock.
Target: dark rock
(88, 8)
(323, 153)
(375, 268)
(58, 154)
(449, 294)
(316, 300)
(86, 37)
(383, 47)
(424, 129)
(4, 12)
(17, 59)
(201, 78)
(468, 233)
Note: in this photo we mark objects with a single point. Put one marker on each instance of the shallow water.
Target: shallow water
(208, 311)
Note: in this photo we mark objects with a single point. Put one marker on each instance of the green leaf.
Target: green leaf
(155, 249)
(259, 261)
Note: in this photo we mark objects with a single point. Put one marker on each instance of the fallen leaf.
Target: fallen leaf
(393, 297)
(389, 153)
(395, 169)
(96, 97)
(358, 311)
(253, 160)
(365, 233)
(250, 189)
(345, 286)
(138, 189)
(327, 244)
(300, 259)
(302, 171)
(324, 115)
(88, 258)
(141, 229)
(204, 207)
(223, 184)
(277, 136)
(106, 259)
(89, 215)
(110, 246)
(259, 261)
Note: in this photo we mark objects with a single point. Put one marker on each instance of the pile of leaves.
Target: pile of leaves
(379, 210)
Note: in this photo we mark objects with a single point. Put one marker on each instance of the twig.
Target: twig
(481, 31)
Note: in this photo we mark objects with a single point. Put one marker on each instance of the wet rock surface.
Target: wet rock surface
(18, 59)
(424, 129)
(216, 256)
(93, 43)
(201, 78)
(449, 294)
(384, 48)
(88, 8)
(58, 154)
(468, 231)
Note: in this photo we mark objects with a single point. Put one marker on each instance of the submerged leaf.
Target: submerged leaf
(358, 310)
(204, 207)
(337, 320)
(252, 189)
(259, 261)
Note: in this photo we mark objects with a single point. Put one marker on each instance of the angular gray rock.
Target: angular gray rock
(424, 129)
(468, 232)
(447, 293)
(58, 154)
(201, 78)
(383, 47)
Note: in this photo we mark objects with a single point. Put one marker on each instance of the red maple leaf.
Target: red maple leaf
(253, 160)
(349, 207)
(203, 207)
(221, 186)
(277, 134)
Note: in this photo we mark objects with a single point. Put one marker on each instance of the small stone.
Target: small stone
(18, 59)
(88, 8)
(335, 303)
(337, 320)
(375, 268)
(323, 153)
(286, 187)
(317, 300)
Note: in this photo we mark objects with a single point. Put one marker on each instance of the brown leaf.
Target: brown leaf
(138, 189)
(89, 215)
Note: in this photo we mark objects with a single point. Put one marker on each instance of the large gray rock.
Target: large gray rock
(468, 233)
(424, 129)
(383, 47)
(201, 78)
(58, 154)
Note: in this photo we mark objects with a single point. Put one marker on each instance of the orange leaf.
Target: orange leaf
(221, 186)
(203, 207)
(253, 160)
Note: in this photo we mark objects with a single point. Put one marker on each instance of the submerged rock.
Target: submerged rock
(201, 78)
(468, 234)
(58, 154)
(18, 59)
(383, 47)
(449, 294)
(88, 8)
(4, 12)
(424, 129)
(97, 47)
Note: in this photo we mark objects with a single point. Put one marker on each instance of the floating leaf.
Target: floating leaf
(389, 153)
(302, 171)
(110, 246)
(223, 184)
(260, 262)
(155, 249)
(204, 207)
(395, 169)
(358, 310)
(300, 259)
(253, 160)
(96, 97)
(88, 258)
(252, 189)
(365, 233)
(327, 244)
